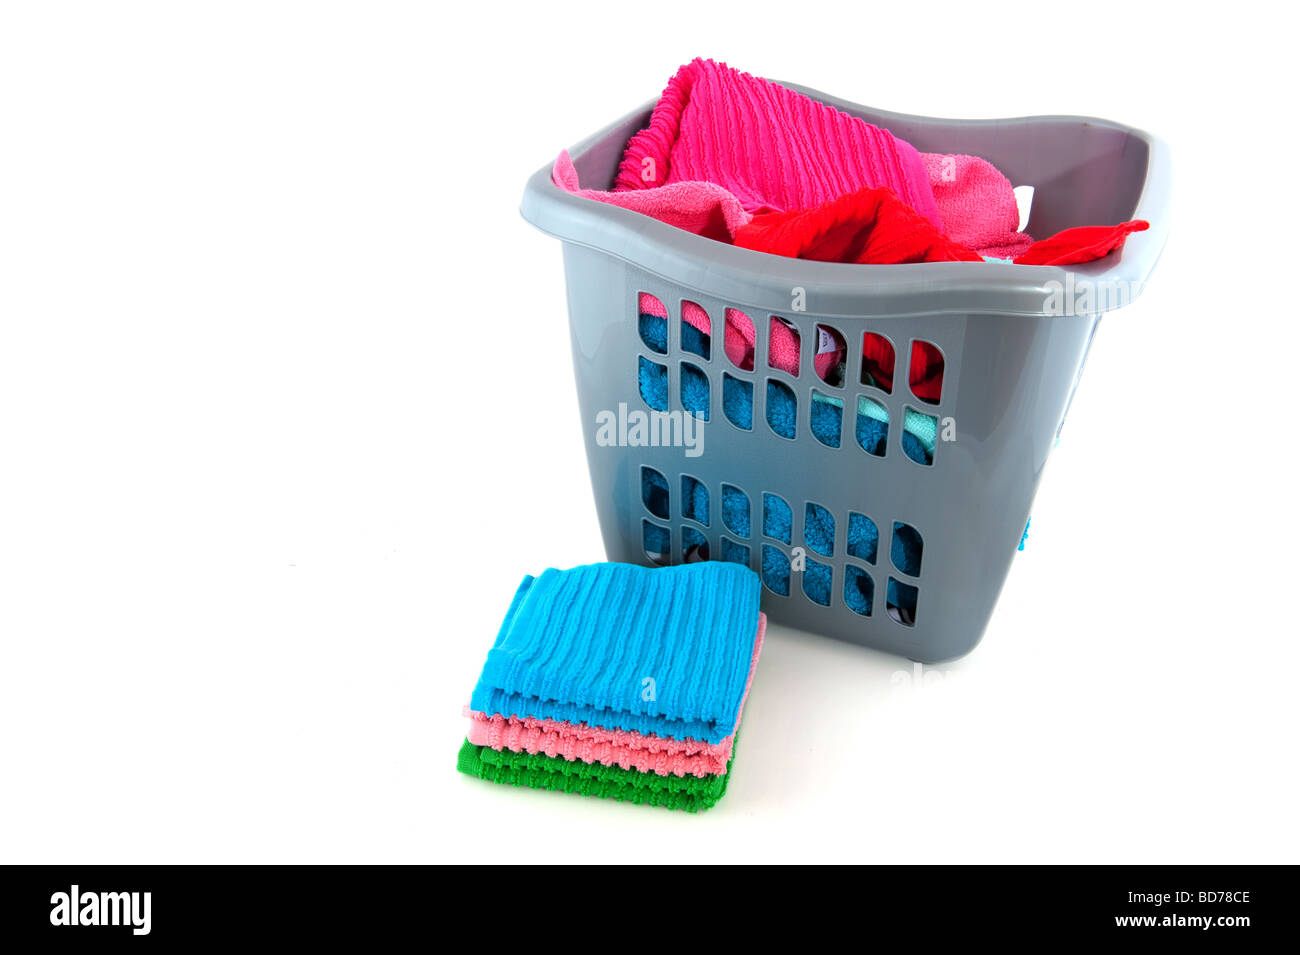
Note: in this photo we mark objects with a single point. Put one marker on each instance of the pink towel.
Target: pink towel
(700, 207)
(978, 205)
(772, 148)
(631, 750)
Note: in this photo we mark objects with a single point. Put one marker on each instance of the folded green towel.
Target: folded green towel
(690, 793)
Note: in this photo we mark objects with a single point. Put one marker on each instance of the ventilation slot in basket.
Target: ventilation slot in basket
(926, 373)
(827, 413)
(777, 518)
(783, 346)
(872, 428)
(735, 510)
(817, 578)
(877, 362)
(654, 492)
(695, 500)
(776, 571)
(738, 401)
(656, 542)
(695, 546)
(782, 408)
(696, 330)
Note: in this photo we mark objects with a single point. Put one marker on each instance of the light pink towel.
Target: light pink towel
(978, 205)
(700, 207)
(772, 148)
(593, 744)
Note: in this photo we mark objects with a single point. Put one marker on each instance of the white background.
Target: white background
(286, 411)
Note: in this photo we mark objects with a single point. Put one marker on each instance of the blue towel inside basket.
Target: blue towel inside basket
(872, 424)
(863, 535)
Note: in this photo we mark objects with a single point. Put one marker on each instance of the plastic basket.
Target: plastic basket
(1013, 340)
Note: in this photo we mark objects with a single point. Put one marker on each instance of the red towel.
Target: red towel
(875, 227)
(870, 227)
(1081, 244)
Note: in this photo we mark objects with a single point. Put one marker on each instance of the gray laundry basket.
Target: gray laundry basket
(1013, 340)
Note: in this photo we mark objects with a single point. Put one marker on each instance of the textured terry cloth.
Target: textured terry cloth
(696, 333)
(920, 431)
(925, 368)
(1082, 244)
(689, 793)
(772, 148)
(578, 645)
(977, 204)
(869, 227)
(862, 538)
(594, 744)
(700, 207)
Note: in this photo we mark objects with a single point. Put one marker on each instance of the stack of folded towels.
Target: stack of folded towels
(619, 681)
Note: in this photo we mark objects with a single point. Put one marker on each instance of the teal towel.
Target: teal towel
(656, 650)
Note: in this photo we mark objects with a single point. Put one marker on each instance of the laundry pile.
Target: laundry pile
(747, 161)
(619, 681)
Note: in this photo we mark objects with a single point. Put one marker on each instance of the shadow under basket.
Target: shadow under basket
(875, 510)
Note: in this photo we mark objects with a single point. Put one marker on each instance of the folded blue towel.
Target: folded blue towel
(592, 643)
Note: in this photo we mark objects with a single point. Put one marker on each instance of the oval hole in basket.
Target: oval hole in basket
(735, 510)
(905, 551)
(695, 500)
(776, 571)
(783, 346)
(819, 529)
(652, 323)
(877, 362)
(654, 492)
(738, 339)
(782, 408)
(828, 362)
(697, 330)
(825, 416)
(925, 376)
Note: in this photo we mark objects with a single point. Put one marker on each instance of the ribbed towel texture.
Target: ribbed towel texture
(772, 148)
(620, 681)
(610, 782)
(580, 644)
(663, 755)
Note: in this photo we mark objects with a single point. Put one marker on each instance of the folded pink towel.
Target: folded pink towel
(772, 148)
(645, 753)
(700, 207)
(978, 205)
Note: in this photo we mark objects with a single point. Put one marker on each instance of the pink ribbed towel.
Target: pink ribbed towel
(592, 744)
(772, 148)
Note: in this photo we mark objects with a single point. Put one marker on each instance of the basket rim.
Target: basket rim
(847, 290)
